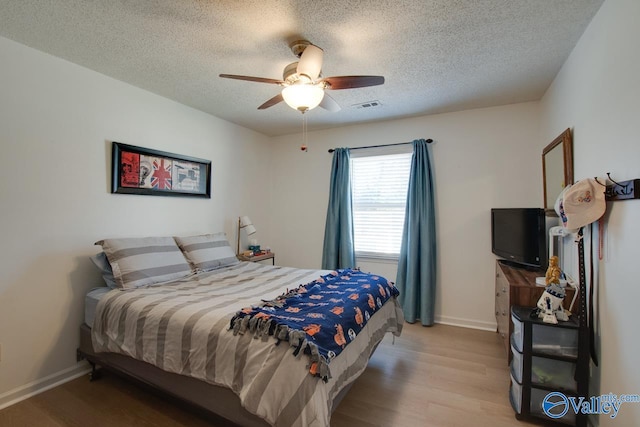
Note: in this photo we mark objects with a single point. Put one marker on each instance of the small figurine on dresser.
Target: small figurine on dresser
(553, 272)
(550, 303)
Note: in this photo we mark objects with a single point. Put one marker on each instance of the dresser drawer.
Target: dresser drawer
(547, 339)
(502, 303)
(513, 286)
(502, 284)
(502, 319)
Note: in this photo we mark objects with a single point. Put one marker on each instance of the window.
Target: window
(379, 192)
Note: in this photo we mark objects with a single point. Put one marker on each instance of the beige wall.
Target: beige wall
(482, 158)
(56, 121)
(597, 94)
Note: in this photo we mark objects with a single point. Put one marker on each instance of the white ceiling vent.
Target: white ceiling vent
(368, 104)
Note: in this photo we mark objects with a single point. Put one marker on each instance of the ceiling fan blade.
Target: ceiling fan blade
(273, 101)
(310, 63)
(329, 104)
(252, 79)
(352, 82)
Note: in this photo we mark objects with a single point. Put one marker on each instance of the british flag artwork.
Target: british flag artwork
(161, 177)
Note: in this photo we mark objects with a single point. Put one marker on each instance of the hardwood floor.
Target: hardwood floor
(442, 376)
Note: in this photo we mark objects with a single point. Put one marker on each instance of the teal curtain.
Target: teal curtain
(338, 251)
(416, 279)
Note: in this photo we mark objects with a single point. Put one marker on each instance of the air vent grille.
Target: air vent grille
(368, 104)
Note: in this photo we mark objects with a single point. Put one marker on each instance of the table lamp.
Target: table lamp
(244, 222)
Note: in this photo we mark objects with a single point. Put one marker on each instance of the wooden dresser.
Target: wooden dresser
(517, 286)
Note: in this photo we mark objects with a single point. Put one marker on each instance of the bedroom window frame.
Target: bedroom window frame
(401, 156)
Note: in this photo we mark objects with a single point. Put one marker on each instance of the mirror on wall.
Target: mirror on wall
(557, 169)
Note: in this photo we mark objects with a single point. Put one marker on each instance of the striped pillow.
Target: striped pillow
(144, 261)
(207, 252)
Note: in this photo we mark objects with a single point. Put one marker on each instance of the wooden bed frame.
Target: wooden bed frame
(211, 400)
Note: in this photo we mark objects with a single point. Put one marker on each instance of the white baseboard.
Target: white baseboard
(466, 323)
(43, 384)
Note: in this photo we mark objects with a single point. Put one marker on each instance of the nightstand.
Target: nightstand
(258, 258)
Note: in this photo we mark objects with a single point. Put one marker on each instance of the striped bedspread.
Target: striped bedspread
(183, 327)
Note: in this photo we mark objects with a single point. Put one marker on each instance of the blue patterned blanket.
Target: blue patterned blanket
(319, 318)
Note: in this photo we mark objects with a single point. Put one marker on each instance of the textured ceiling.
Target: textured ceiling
(436, 55)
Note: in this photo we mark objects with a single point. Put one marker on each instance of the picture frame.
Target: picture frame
(139, 170)
(557, 169)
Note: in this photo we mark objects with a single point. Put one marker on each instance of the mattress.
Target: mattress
(91, 302)
(183, 327)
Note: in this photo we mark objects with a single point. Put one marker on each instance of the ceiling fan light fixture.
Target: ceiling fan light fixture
(303, 97)
(304, 84)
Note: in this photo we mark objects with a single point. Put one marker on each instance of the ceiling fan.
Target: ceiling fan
(304, 87)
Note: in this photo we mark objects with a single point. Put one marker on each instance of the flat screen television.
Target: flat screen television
(519, 236)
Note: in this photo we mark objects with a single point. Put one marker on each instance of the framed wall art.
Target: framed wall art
(138, 170)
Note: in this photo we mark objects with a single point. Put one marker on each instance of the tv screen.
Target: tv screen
(518, 235)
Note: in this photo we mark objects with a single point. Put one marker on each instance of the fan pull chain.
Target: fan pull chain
(304, 147)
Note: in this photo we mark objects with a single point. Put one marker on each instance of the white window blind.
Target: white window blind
(379, 192)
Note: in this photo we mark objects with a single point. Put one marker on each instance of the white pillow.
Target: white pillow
(207, 251)
(144, 261)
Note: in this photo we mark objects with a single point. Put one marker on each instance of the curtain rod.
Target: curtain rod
(331, 150)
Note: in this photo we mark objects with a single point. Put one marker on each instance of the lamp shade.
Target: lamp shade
(245, 222)
(303, 97)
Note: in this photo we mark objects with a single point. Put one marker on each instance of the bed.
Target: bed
(214, 337)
